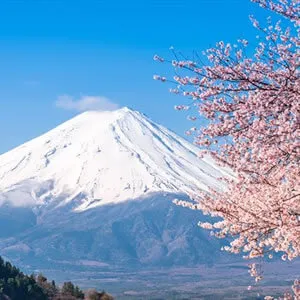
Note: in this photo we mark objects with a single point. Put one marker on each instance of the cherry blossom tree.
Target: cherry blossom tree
(251, 104)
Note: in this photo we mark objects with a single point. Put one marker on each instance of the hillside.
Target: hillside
(15, 285)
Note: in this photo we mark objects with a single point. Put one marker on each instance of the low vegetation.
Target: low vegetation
(15, 285)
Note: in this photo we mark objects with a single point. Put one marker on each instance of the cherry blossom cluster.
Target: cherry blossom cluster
(251, 107)
(287, 8)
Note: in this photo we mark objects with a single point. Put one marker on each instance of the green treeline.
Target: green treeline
(15, 285)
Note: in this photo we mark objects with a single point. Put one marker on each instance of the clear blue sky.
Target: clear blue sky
(50, 48)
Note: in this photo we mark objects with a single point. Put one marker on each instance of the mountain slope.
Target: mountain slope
(97, 191)
(150, 232)
(103, 157)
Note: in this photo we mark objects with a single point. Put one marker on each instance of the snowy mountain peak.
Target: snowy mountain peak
(98, 158)
(125, 109)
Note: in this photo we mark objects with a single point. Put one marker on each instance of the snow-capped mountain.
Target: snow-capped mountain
(98, 190)
(100, 158)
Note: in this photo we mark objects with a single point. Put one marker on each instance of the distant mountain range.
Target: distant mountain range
(98, 190)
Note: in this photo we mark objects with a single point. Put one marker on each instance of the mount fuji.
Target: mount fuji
(98, 190)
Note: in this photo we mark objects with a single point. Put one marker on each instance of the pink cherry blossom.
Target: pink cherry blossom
(251, 107)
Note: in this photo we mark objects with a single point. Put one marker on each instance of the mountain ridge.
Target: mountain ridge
(99, 189)
(108, 157)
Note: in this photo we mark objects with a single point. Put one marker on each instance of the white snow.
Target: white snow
(107, 157)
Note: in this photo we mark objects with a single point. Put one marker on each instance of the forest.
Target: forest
(15, 285)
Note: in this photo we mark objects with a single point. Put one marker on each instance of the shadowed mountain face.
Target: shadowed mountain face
(14, 220)
(98, 189)
(150, 232)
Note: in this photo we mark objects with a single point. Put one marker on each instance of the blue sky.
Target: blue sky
(102, 49)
